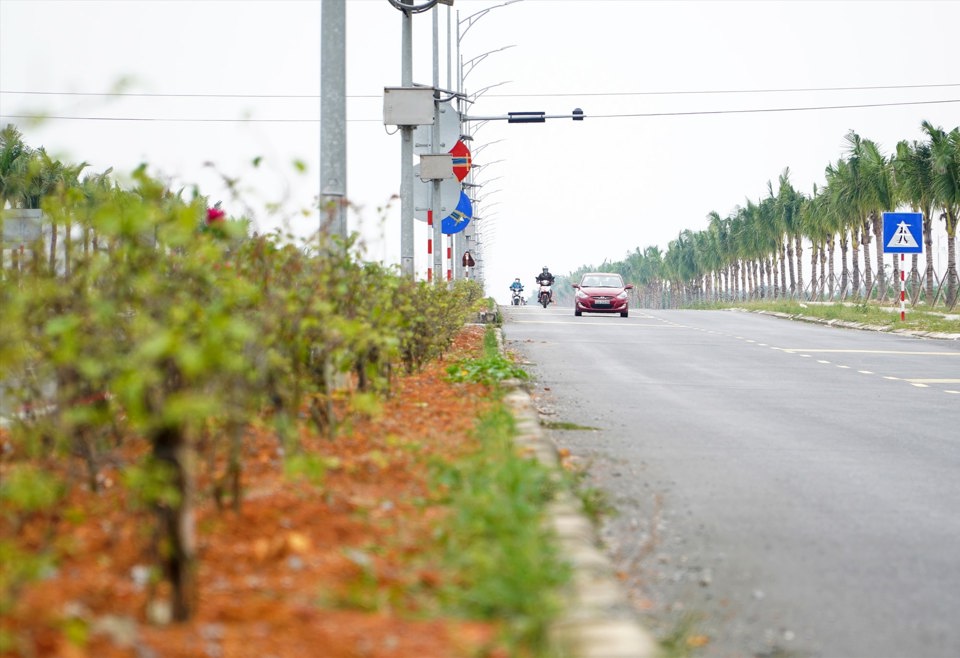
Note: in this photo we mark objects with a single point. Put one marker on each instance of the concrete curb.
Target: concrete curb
(858, 325)
(597, 621)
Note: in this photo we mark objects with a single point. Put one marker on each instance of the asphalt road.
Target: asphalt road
(782, 489)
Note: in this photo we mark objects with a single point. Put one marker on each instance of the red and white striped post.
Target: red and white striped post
(449, 258)
(429, 245)
(903, 291)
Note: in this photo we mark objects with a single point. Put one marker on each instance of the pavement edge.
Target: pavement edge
(598, 621)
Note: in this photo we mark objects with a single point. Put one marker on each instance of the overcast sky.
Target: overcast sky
(691, 106)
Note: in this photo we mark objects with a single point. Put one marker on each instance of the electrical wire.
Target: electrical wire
(41, 117)
(769, 109)
(677, 92)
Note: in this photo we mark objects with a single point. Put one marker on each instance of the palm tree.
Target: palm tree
(756, 243)
(832, 221)
(13, 154)
(913, 177)
(811, 223)
(680, 263)
(719, 230)
(839, 184)
(878, 195)
(650, 275)
(856, 192)
(788, 203)
(945, 152)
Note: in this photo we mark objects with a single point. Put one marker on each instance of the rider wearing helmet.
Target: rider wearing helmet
(515, 289)
(545, 275)
(548, 278)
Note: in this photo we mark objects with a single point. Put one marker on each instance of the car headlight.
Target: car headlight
(622, 295)
(582, 295)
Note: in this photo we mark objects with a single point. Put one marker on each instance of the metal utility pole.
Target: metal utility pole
(333, 118)
(406, 150)
(438, 246)
(402, 117)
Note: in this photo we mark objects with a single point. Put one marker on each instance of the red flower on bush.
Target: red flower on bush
(215, 215)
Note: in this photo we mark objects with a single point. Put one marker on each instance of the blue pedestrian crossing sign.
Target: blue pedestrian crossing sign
(903, 232)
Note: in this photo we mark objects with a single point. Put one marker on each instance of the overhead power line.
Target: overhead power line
(61, 117)
(619, 115)
(769, 109)
(674, 92)
(681, 92)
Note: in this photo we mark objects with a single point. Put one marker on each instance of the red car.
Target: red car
(601, 292)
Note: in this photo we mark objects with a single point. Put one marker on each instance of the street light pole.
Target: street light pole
(333, 111)
(462, 239)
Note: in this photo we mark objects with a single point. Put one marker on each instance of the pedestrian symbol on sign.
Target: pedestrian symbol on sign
(902, 232)
(902, 237)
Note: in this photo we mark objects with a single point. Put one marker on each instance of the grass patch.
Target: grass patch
(490, 369)
(503, 560)
(863, 312)
(564, 425)
(684, 640)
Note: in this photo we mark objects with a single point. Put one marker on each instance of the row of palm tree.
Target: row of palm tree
(28, 176)
(758, 250)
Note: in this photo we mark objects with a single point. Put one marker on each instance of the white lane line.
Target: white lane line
(838, 351)
(932, 381)
(823, 362)
(865, 372)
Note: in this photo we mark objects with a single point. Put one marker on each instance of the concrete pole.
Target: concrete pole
(438, 246)
(333, 119)
(406, 152)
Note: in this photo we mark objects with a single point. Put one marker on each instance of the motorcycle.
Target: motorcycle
(517, 299)
(545, 295)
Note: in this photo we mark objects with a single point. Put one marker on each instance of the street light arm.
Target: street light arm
(472, 98)
(476, 151)
(473, 18)
(472, 62)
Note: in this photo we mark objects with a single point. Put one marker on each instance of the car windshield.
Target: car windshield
(601, 282)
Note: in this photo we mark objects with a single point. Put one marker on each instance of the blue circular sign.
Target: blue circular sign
(459, 218)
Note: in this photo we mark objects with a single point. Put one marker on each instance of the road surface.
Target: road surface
(782, 488)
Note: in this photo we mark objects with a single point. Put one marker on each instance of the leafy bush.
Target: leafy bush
(159, 324)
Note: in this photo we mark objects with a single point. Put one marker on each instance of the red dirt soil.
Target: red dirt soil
(340, 569)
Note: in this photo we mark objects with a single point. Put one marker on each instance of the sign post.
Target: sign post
(903, 234)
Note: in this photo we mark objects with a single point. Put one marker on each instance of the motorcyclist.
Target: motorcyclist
(516, 288)
(545, 278)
